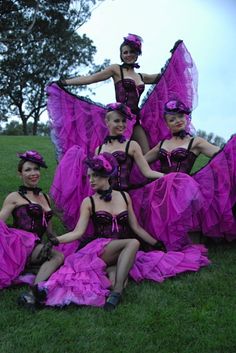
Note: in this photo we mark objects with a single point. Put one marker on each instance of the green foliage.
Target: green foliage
(191, 313)
(210, 137)
(39, 43)
(14, 128)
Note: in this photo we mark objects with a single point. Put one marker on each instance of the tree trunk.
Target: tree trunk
(35, 126)
(24, 126)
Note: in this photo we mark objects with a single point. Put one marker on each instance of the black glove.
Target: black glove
(45, 254)
(61, 82)
(53, 239)
(159, 246)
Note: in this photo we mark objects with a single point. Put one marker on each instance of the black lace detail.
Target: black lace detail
(181, 134)
(105, 194)
(23, 190)
(120, 138)
(130, 66)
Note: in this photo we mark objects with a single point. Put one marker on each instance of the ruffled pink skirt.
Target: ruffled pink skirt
(82, 280)
(16, 246)
(167, 208)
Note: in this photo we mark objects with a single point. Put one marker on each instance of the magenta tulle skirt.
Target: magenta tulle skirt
(217, 183)
(16, 246)
(167, 208)
(82, 280)
(79, 121)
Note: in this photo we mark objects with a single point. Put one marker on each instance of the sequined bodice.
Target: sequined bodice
(32, 218)
(129, 93)
(178, 160)
(107, 225)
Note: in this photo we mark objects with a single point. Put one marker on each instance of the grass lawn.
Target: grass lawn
(192, 313)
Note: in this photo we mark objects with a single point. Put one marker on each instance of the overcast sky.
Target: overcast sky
(207, 28)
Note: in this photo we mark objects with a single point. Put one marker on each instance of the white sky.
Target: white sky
(208, 30)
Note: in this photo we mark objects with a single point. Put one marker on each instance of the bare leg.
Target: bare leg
(123, 253)
(139, 136)
(48, 267)
(35, 296)
(111, 271)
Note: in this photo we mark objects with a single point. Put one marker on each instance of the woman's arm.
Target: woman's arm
(103, 75)
(153, 155)
(138, 230)
(151, 79)
(136, 153)
(8, 206)
(81, 225)
(204, 147)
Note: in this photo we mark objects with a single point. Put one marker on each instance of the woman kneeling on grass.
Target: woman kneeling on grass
(22, 245)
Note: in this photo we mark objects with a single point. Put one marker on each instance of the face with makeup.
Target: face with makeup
(30, 173)
(176, 121)
(97, 181)
(116, 123)
(128, 54)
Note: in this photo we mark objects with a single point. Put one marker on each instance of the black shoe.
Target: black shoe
(40, 295)
(112, 301)
(27, 300)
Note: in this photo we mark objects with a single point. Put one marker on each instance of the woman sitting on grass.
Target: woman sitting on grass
(83, 278)
(22, 245)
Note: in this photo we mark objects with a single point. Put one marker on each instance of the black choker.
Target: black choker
(130, 66)
(23, 190)
(120, 138)
(105, 194)
(181, 134)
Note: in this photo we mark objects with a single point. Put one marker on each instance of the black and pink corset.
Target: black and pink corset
(107, 225)
(32, 218)
(178, 160)
(125, 163)
(128, 93)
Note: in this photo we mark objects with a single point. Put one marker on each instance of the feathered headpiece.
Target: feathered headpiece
(33, 156)
(133, 41)
(122, 108)
(176, 106)
(104, 164)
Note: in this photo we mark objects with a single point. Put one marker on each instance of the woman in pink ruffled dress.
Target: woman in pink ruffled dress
(216, 180)
(83, 279)
(77, 120)
(22, 245)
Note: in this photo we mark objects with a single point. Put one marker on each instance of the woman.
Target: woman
(22, 245)
(216, 180)
(74, 119)
(83, 278)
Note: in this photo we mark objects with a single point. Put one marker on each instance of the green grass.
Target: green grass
(192, 313)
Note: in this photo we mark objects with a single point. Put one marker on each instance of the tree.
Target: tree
(39, 42)
(14, 128)
(216, 140)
